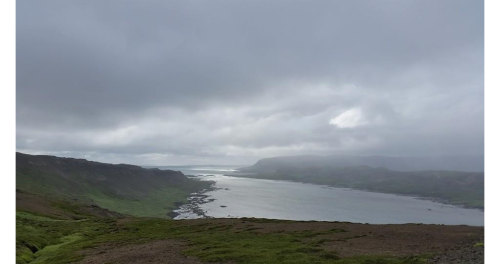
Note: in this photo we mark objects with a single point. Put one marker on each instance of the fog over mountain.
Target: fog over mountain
(230, 82)
(450, 163)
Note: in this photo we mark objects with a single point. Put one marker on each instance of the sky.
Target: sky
(231, 82)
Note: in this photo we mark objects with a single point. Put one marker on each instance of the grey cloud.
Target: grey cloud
(234, 81)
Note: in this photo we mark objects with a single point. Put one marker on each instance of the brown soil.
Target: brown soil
(163, 251)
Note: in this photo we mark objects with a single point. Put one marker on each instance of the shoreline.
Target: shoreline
(416, 196)
(194, 200)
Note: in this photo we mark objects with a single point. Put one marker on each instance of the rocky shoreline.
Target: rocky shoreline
(192, 209)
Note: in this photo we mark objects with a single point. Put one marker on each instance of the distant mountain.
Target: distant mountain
(451, 163)
(126, 189)
(424, 177)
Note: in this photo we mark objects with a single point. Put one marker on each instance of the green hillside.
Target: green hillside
(122, 188)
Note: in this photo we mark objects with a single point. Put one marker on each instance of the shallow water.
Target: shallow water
(245, 197)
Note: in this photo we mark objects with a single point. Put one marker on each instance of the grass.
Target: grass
(154, 204)
(38, 236)
(45, 255)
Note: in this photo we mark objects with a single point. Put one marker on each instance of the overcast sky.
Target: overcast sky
(230, 82)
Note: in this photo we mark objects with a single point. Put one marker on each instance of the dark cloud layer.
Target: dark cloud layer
(169, 82)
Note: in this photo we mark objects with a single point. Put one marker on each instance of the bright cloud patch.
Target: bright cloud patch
(349, 119)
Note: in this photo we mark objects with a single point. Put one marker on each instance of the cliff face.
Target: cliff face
(115, 187)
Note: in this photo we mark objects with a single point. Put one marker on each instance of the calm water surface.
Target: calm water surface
(244, 197)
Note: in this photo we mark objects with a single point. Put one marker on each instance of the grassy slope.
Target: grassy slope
(461, 188)
(46, 239)
(155, 204)
(124, 189)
